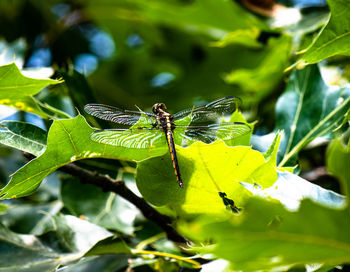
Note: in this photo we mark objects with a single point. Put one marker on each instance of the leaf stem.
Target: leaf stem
(149, 241)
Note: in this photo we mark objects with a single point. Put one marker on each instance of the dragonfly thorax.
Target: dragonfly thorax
(159, 108)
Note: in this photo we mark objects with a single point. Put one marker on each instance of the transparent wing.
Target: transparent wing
(120, 116)
(209, 133)
(131, 138)
(211, 111)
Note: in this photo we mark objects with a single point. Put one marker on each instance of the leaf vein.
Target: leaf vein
(70, 139)
(331, 41)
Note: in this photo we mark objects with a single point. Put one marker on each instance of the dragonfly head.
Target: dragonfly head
(159, 107)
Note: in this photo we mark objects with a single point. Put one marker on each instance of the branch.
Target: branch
(118, 186)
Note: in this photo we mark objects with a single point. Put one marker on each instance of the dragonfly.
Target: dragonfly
(147, 129)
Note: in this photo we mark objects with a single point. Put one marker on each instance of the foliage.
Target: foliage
(272, 237)
(308, 109)
(200, 195)
(66, 143)
(333, 38)
(246, 203)
(17, 90)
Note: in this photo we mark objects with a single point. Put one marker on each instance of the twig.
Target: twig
(118, 186)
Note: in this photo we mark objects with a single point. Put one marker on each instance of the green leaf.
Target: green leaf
(308, 109)
(268, 74)
(109, 245)
(334, 38)
(104, 209)
(23, 136)
(13, 84)
(66, 239)
(17, 90)
(68, 141)
(272, 151)
(267, 237)
(72, 234)
(206, 169)
(34, 256)
(338, 161)
(30, 218)
(237, 116)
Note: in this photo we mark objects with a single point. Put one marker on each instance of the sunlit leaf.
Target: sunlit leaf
(68, 140)
(334, 37)
(206, 169)
(17, 90)
(13, 84)
(291, 189)
(308, 109)
(23, 136)
(273, 147)
(237, 116)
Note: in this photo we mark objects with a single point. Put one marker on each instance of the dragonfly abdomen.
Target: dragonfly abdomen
(172, 150)
(166, 122)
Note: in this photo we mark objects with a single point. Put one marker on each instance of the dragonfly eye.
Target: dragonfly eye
(159, 107)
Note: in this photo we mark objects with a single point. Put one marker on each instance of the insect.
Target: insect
(148, 129)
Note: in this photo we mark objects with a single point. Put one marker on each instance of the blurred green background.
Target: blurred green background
(179, 52)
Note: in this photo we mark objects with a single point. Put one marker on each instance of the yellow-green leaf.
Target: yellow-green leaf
(206, 169)
(335, 36)
(17, 91)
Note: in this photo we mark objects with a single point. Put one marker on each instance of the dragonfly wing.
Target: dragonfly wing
(120, 116)
(130, 138)
(187, 135)
(211, 111)
(209, 133)
(231, 130)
